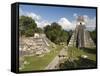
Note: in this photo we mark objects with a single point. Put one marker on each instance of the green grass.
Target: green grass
(74, 52)
(75, 59)
(39, 63)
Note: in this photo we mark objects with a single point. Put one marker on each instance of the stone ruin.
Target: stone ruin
(37, 45)
(81, 37)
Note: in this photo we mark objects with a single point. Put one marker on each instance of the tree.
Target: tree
(64, 36)
(55, 33)
(27, 26)
(39, 30)
(93, 35)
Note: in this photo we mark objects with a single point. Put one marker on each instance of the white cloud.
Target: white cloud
(66, 24)
(33, 15)
(30, 14)
(90, 22)
(42, 23)
(86, 18)
(21, 12)
(38, 19)
(75, 15)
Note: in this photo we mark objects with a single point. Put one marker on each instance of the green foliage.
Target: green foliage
(55, 33)
(93, 35)
(29, 32)
(39, 30)
(64, 36)
(74, 52)
(27, 26)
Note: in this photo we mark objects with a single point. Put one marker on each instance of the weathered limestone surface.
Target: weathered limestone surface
(81, 37)
(88, 40)
(34, 45)
(72, 41)
(37, 45)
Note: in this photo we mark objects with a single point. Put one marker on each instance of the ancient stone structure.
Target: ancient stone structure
(81, 37)
(37, 45)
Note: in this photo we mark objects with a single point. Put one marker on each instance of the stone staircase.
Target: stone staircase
(88, 42)
(34, 46)
(72, 41)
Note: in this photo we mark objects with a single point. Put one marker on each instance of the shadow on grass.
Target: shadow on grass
(75, 64)
(90, 50)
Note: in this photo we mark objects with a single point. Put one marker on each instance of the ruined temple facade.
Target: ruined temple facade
(81, 37)
(79, 32)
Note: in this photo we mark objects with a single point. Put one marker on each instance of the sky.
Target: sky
(64, 16)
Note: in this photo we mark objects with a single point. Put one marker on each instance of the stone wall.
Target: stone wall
(34, 46)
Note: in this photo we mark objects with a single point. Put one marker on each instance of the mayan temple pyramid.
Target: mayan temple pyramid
(81, 37)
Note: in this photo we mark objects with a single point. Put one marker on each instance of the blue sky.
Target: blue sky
(54, 14)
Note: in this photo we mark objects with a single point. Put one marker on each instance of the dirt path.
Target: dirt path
(55, 61)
